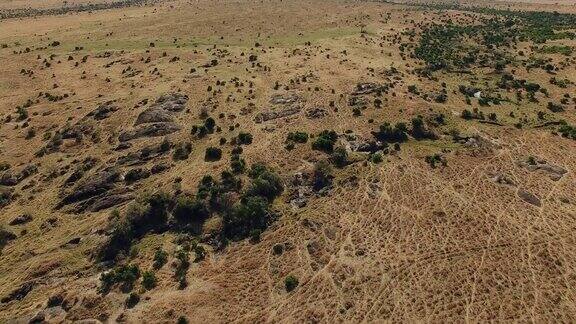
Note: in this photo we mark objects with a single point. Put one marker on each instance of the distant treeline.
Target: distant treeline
(33, 12)
(560, 20)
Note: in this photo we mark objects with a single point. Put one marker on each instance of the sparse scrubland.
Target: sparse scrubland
(175, 161)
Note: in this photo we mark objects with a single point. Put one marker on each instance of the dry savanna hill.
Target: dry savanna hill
(287, 161)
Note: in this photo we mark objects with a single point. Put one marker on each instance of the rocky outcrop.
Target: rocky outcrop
(529, 197)
(271, 115)
(555, 172)
(19, 293)
(103, 111)
(19, 220)
(284, 105)
(163, 109)
(158, 119)
(366, 88)
(149, 130)
(9, 178)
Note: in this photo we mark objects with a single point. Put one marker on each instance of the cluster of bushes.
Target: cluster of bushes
(290, 283)
(237, 163)
(147, 214)
(295, 137)
(568, 131)
(22, 113)
(441, 46)
(392, 134)
(556, 49)
(160, 259)
(398, 133)
(561, 83)
(507, 81)
(420, 131)
(252, 213)
(244, 138)
(325, 141)
(242, 210)
(435, 159)
(206, 128)
(189, 211)
(182, 151)
(339, 157)
(322, 176)
(475, 114)
(125, 275)
(245, 213)
(213, 154)
(182, 267)
(554, 107)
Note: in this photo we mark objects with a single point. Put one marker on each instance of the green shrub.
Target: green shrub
(267, 184)
(189, 210)
(244, 138)
(251, 213)
(160, 259)
(182, 151)
(255, 235)
(278, 248)
(297, 137)
(237, 164)
(213, 154)
(202, 131)
(325, 141)
(145, 215)
(182, 268)
(339, 157)
(376, 158)
(132, 300)
(256, 170)
(229, 181)
(555, 107)
(467, 114)
(149, 280)
(387, 133)
(568, 131)
(237, 150)
(125, 275)
(322, 175)
(209, 123)
(419, 130)
(433, 160)
(290, 283)
(30, 133)
(22, 113)
(200, 253)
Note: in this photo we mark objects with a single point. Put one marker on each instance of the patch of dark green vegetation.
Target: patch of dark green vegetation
(290, 283)
(243, 209)
(556, 49)
(568, 131)
(325, 141)
(123, 275)
(449, 46)
(435, 159)
(392, 134)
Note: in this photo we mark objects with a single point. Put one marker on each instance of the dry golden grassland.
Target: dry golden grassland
(489, 236)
